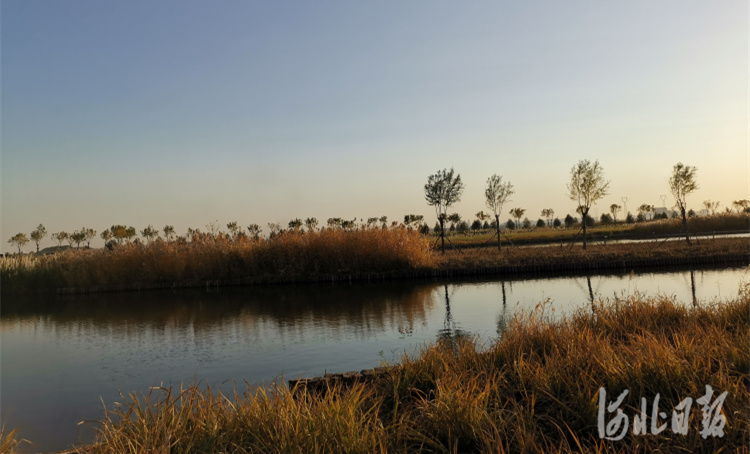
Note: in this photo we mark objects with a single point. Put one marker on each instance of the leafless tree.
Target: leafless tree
(587, 185)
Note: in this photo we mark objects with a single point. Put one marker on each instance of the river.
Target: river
(62, 356)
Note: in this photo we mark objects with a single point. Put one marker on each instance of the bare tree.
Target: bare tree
(149, 233)
(295, 224)
(442, 190)
(89, 234)
(548, 214)
(711, 206)
(130, 233)
(168, 232)
(334, 223)
(19, 240)
(413, 220)
(496, 195)
(518, 214)
(213, 228)
(60, 237)
(644, 210)
(234, 229)
(311, 224)
(77, 237)
(682, 183)
(119, 232)
(274, 229)
(454, 219)
(614, 209)
(254, 230)
(38, 234)
(587, 185)
(741, 205)
(106, 235)
(384, 221)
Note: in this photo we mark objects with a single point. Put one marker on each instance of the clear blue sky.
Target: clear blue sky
(187, 112)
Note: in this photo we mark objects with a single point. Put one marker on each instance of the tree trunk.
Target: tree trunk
(37, 248)
(442, 234)
(684, 224)
(497, 224)
(585, 214)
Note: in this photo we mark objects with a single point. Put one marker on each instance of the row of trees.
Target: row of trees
(443, 189)
(119, 234)
(79, 236)
(587, 186)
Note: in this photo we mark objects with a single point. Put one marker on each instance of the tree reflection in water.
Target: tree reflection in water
(450, 335)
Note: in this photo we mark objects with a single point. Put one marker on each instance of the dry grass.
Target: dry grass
(8, 441)
(285, 257)
(702, 225)
(697, 225)
(534, 390)
(596, 252)
(293, 257)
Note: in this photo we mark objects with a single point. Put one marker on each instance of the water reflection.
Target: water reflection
(450, 333)
(502, 318)
(290, 312)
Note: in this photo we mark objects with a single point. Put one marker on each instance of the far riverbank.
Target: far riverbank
(489, 262)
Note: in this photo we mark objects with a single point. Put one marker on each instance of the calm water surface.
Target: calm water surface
(62, 356)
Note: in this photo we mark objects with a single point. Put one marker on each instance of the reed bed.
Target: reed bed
(285, 257)
(536, 389)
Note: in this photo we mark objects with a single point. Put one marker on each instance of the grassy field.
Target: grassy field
(596, 252)
(705, 225)
(536, 389)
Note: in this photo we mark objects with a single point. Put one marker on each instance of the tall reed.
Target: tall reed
(287, 256)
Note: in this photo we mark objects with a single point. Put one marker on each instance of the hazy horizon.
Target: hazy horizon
(185, 113)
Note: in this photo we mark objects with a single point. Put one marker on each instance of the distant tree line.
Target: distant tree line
(442, 191)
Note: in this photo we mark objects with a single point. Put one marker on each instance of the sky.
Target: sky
(190, 112)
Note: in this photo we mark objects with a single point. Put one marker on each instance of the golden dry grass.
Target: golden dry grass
(8, 441)
(596, 252)
(285, 257)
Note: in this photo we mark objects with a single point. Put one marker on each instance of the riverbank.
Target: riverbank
(703, 227)
(149, 268)
(536, 389)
